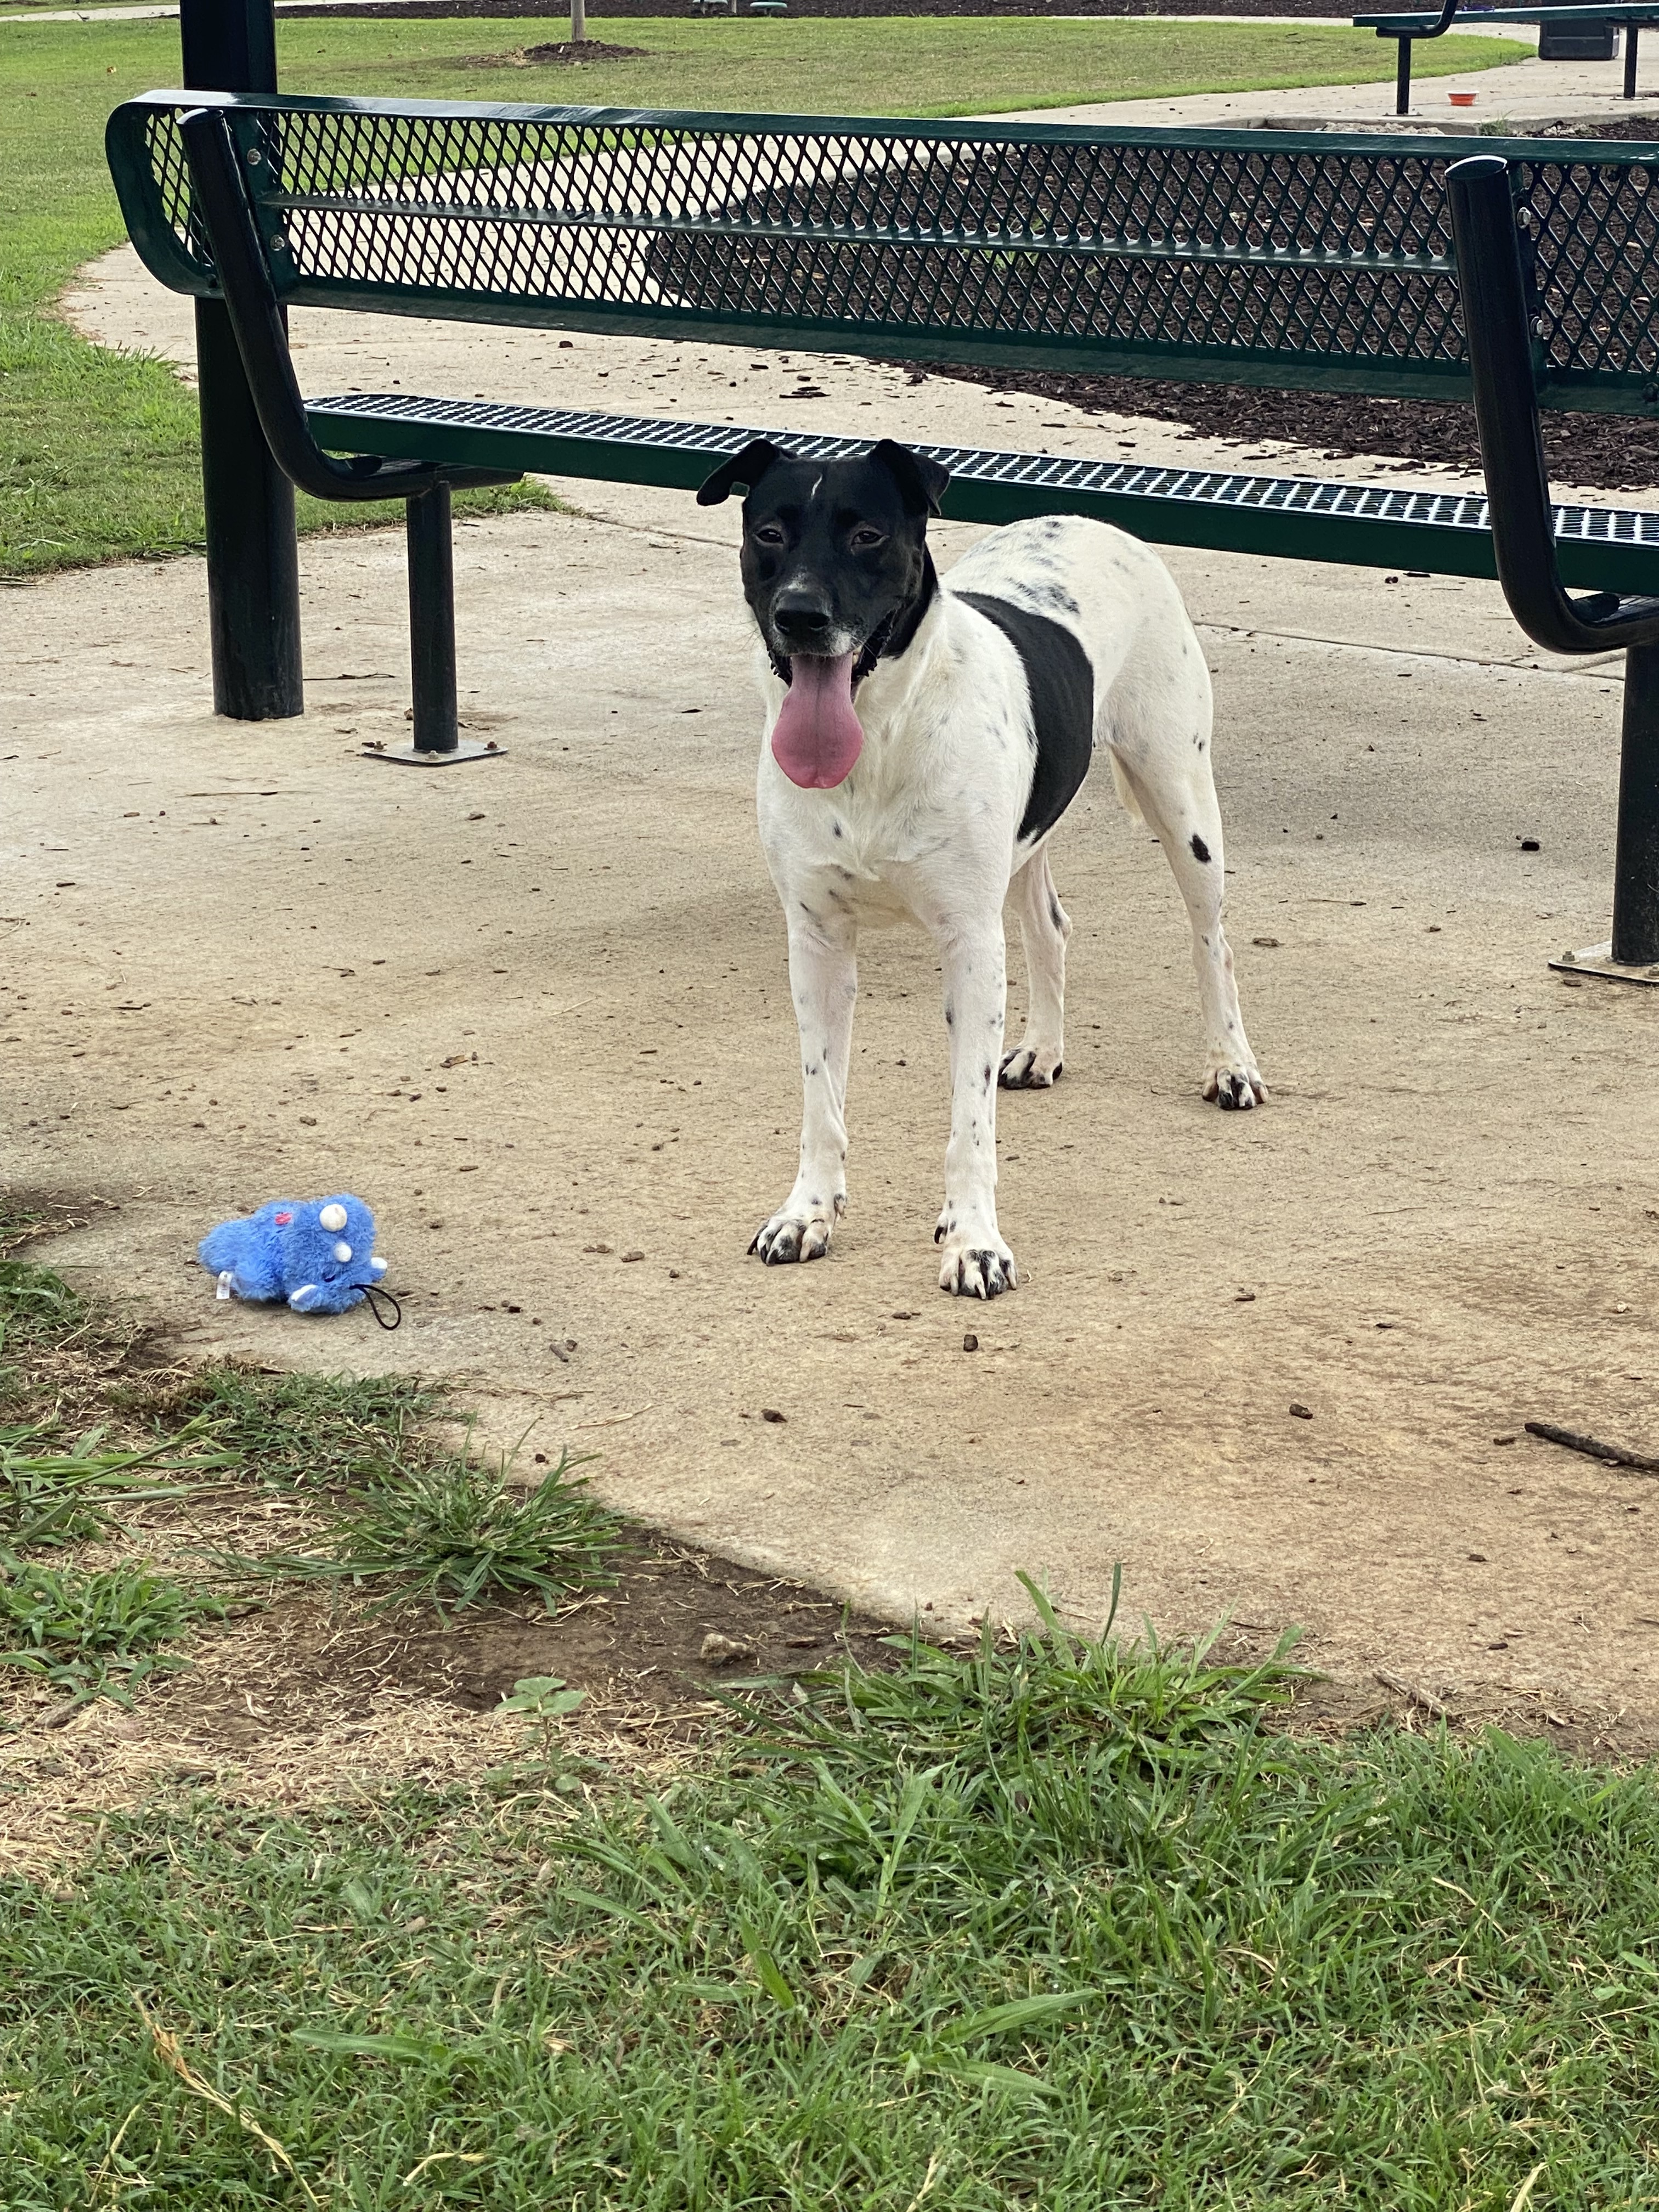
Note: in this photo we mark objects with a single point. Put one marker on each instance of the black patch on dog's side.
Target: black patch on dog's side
(1201, 850)
(1061, 682)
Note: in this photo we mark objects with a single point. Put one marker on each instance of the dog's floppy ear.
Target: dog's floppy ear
(746, 468)
(921, 481)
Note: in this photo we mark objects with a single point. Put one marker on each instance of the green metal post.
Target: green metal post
(253, 569)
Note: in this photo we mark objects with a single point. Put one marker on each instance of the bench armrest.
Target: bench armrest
(256, 317)
(1410, 27)
(1497, 331)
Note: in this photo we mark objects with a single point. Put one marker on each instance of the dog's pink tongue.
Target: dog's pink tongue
(817, 737)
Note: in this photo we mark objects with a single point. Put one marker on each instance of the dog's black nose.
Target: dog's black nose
(801, 619)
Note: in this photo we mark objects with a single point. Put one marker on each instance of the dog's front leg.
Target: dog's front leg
(823, 980)
(974, 1262)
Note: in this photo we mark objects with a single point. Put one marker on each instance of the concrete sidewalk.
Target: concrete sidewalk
(572, 1102)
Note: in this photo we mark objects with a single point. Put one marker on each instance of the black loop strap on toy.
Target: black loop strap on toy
(373, 1295)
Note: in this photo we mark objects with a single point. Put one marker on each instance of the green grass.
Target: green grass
(893, 65)
(455, 1532)
(98, 452)
(95, 1634)
(50, 1496)
(1062, 1926)
(312, 1431)
(37, 1307)
(1059, 1923)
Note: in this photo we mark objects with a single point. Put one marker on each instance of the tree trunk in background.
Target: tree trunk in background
(578, 22)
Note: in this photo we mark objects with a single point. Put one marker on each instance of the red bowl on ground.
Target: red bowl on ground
(1461, 99)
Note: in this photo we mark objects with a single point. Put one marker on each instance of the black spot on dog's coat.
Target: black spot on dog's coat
(1201, 850)
(1061, 684)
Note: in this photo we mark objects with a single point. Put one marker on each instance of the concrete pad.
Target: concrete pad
(1440, 1227)
(1517, 95)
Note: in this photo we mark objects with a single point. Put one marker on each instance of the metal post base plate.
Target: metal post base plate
(468, 749)
(1598, 960)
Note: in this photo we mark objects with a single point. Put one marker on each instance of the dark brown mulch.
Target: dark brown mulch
(567, 53)
(1633, 127)
(1610, 451)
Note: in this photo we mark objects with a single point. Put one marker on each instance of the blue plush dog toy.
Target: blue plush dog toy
(316, 1253)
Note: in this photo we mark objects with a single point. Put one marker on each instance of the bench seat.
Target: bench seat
(1234, 511)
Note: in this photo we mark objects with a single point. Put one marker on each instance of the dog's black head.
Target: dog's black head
(836, 571)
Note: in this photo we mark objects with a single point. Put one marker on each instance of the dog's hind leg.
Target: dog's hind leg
(823, 982)
(1037, 1060)
(1159, 736)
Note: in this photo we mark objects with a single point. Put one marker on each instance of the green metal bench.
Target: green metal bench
(1633, 16)
(1320, 262)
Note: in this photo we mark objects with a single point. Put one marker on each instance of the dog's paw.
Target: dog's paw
(973, 1266)
(794, 1233)
(1234, 1086)
(1030, 1067)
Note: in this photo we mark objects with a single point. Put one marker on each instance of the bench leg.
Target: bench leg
(438, 739)
(1631, 34)
(1635, 863)
(432, 621)
(1402, 77)
(253, 559)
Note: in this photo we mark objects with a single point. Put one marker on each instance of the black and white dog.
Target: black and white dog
(922, 741)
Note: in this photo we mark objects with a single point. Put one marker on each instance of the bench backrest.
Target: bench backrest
(1306, 260)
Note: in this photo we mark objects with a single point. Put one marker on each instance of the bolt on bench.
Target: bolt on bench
(1313, 262)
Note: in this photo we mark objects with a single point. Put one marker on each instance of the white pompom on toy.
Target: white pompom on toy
(342, 1252)
(332, 1217)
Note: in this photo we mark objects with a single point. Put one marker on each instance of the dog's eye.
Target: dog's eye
(863, 538)
(767, 533)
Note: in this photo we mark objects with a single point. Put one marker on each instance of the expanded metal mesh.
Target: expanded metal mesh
(1156, 251)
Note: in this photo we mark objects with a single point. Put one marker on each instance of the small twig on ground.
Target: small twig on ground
(1592, 1447)
(1412, 1694)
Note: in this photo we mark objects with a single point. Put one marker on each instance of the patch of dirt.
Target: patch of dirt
(564, 54)
(296, 1703)
(635, 1648)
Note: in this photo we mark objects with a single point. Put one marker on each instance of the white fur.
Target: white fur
(925, 829)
